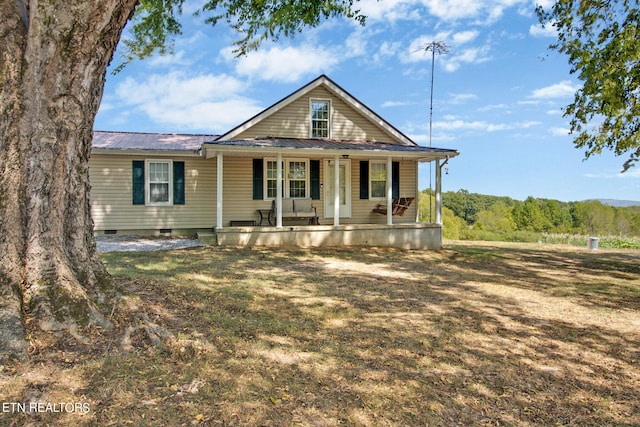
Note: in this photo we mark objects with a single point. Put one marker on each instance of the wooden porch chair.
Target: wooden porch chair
(398, 206)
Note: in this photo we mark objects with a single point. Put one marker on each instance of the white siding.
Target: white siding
(112, 207)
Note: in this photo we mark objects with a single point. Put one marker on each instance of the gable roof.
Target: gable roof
(107, 140)
(333, 87)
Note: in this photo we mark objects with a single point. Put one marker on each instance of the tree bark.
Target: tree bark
(53, 60)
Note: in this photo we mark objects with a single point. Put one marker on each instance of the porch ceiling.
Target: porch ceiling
(324, 147)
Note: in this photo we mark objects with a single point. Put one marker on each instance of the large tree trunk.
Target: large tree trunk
(53, 60)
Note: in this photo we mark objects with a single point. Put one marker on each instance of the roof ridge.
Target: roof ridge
(155, 133)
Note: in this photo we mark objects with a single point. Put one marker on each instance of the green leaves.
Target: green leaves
(602, 41)
(154, 25)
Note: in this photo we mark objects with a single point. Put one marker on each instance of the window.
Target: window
(295, 178)
(320, 118)
(272, 179)
(378, 179)
(305, 179)
(158, 182)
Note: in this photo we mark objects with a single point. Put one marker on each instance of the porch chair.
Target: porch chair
(399, 206)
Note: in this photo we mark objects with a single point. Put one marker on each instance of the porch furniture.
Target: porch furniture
(296, 209)
(265, 215)
(398, 206)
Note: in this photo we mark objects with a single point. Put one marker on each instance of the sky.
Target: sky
(498, 94)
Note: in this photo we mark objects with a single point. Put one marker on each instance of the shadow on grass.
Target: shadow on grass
(472, 335)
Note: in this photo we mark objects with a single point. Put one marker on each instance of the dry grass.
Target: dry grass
(477, 334)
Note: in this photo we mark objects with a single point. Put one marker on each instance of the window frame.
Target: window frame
(147, 181)
(312, 119)
(386, 179)
(286, 181)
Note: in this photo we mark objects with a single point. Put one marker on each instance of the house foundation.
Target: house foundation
(405, 236)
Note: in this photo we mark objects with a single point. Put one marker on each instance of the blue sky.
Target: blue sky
(498, 94)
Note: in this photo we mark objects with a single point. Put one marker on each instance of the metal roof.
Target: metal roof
(149, 141)
(315, 144)
(327, 144)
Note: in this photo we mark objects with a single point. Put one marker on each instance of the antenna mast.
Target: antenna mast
(435, 48)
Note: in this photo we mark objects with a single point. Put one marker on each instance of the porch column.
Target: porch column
(417, 191)
(219, 174)
(389, 191)
(279, 191)
(336, 192)
(438, 192)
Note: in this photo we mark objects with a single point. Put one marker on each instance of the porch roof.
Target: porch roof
(317, 146)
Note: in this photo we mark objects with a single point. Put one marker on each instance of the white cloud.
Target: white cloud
(388, 10)
(559, 90)
(465, 36)
(391, 104)
(483, 126)
(482, 11)
(558, 131)
(203, 101)
(177, 58)
(450, 10)
(475, 55)
(387, 50)
(540, 31)
(493, 107)
(288, 64)
(461, 98)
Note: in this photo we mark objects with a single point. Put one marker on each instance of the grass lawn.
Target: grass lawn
(476, 334)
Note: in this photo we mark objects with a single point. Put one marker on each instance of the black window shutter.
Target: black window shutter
(314, 175)
(178, 183)
(395, 180)
(364, 179)
(258, 177)
(137, 169)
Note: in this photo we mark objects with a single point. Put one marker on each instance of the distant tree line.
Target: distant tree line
(474, 216)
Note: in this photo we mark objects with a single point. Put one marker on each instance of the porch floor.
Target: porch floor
(406, 236)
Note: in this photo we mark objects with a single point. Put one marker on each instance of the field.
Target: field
(476, 334)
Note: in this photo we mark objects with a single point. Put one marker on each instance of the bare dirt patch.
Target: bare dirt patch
(476, 334)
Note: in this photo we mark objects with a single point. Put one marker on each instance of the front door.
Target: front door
(344, 188)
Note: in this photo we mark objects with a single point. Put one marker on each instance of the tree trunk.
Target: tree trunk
(53, 61)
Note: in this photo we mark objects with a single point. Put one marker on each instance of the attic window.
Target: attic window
(320, 118)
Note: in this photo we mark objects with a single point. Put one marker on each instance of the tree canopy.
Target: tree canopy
(602, 41)
(476, 216)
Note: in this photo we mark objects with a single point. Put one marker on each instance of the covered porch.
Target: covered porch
(380, 227)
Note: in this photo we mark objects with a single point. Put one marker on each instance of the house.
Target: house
(316, 168)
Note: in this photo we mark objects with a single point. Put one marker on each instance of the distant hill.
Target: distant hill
(619, 203)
